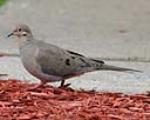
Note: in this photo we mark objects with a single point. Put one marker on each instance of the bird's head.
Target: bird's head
(21, 31)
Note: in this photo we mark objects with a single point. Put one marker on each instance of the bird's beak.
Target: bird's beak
(9, 35)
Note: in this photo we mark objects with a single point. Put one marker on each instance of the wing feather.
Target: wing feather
(56, 61)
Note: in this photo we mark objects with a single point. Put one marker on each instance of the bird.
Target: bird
(50, 63)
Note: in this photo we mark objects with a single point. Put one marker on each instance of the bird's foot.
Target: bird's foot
(65, 85)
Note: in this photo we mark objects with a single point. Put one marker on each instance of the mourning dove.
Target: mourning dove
(50, 63)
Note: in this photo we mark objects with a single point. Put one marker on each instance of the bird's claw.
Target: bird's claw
(65, 86)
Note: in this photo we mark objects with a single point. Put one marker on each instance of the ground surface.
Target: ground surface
(96, 28)
(19, 102)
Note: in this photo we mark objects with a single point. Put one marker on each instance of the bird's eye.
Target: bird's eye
(19, 30)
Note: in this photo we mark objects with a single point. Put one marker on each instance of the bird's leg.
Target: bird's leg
(63, 85)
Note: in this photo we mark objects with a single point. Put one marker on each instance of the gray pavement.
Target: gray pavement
(96, 28)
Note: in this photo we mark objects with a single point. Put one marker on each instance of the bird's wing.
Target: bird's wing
(56, 61)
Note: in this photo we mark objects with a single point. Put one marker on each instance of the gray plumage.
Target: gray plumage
(50, 63)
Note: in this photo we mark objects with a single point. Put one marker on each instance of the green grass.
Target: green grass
(2, 2)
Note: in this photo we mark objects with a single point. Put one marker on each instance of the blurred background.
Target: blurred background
(113, 30)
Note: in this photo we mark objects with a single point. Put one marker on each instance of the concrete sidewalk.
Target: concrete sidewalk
(99, 28)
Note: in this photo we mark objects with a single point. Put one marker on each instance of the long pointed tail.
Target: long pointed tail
(119, 69)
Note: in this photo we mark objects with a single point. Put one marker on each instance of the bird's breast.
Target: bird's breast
(28, 57)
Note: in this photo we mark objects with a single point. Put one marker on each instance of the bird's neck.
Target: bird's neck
(23, 41)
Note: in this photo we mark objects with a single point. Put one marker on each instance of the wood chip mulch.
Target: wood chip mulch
(19, 102)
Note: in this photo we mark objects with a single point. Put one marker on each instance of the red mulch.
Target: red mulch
(17, 102)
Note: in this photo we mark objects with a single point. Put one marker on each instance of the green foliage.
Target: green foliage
(2, 2)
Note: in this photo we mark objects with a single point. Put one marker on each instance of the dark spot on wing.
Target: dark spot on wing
(67, 62)
(73, 57)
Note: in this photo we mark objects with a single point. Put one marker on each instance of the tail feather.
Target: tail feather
(119, 69)
(100, 65)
